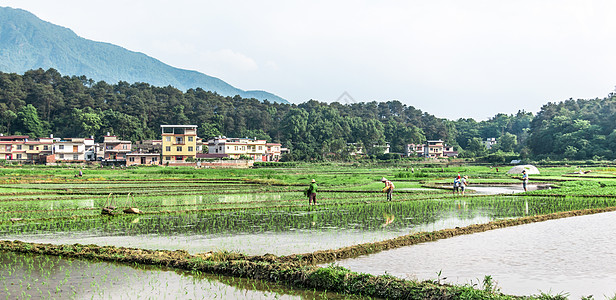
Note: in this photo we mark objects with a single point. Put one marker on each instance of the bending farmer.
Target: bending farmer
(389, 188)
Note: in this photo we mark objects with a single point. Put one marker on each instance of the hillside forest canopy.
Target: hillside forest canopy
(42, 102)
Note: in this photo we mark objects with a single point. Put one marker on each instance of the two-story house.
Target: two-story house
(74, 149)
(414, 150)
(13, 147)
(258, 150)
(272, 151)
(39, 149)
(115, 150)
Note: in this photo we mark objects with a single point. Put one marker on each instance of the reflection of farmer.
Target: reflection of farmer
(311, 193)
(388, 219)
(389, 188)
(524, 179)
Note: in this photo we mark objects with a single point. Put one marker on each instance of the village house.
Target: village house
(489, 142)
(179, 143)
(432, 149)
(142, 158)
(414, 150)
(74, 149)
(148, 146)
(273, 151)
(13, 147)
(40, 150)
(114, 150)
(234, 148)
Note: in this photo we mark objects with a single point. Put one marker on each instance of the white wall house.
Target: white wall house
(258, 150)
(74, 149)
(489, 142)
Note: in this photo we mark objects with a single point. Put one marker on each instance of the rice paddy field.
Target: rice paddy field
(185, 233)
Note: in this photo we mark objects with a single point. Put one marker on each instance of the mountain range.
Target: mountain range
(27, 42)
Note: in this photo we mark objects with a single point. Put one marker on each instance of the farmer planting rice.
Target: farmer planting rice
(311, 193)
(389, 188)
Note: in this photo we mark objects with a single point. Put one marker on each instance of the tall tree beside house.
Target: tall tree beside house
(88, 122)
(28, 122)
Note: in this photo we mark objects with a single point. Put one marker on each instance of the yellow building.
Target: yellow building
(179, 143)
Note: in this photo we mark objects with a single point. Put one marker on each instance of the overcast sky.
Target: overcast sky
(450, 58)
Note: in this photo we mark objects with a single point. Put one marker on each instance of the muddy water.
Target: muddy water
(573, 255)
(25, 276)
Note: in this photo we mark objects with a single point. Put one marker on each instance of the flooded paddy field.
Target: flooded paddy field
(24, 276)
(572, 256)
(221, 218)
(292, 229)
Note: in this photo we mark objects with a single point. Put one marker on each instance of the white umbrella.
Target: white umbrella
(530, 169)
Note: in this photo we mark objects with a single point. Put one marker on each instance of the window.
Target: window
(235, 148)
(167, 157)
(61, 147)
(31, 147)
(178, 140)
(190, 148)
(124, 147)
(168, 138)
(18, 147)
(154, 158)
(260, 147)
(179, 148)
(18, 156)
(132, 159)
(45, 147)
(168, 148)
(61, 156)
(75, 157)
(190, 138)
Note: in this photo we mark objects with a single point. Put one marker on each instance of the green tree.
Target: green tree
(8, 116)
(209, 130)
(506, 143)
(88, 122)
(476, 148)
(29, 123)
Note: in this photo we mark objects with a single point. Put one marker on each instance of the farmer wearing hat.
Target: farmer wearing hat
(311, 193)
(389, 188)
(524, 179)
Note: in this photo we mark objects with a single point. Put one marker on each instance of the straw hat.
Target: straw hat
(314, 180)
(383, 179)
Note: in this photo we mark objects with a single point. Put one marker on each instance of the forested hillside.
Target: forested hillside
(42, 102)
(27, 42)
(575, 129)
